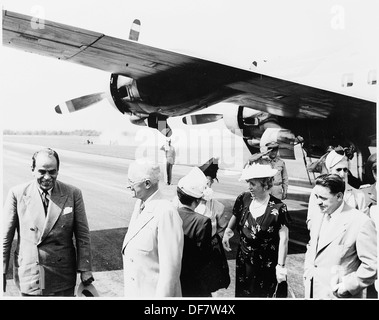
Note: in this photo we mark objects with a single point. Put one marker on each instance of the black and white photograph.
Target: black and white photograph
(170, 151)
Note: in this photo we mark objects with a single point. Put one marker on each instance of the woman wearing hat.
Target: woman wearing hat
(261, 221)
(197, 235)
(208, 206)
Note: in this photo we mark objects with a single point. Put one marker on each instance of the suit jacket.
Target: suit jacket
(351, 248)
(152, 250)
(45, 258)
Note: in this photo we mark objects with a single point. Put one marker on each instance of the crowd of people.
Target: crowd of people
(176, 247)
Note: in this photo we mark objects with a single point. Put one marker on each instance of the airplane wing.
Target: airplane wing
(170, 84)
(138, 61)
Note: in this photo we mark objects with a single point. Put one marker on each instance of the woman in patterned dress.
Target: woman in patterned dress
(261, 221)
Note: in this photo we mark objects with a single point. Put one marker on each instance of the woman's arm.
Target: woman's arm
(229, 233)
(281, 270)
(283, 245)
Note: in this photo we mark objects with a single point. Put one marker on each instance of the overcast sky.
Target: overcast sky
(235, 32)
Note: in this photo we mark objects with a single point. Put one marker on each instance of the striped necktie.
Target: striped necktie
(45, 200)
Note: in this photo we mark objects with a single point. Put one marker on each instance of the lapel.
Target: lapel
(140, 220)
(56, 206)
(33, 202)
(337, 226)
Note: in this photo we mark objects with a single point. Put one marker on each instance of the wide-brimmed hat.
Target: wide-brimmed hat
(86, 291)
(210, 168)
(257, 171)
(194, 183)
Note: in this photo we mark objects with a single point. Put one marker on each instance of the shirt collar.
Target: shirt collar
(48, 191)
(149, 198)
(338, 211)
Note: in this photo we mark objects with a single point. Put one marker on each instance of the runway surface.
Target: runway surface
(109, 204)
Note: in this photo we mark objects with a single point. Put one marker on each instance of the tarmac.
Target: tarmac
(109, 284)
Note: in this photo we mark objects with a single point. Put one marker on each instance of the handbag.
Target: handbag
(216, 273)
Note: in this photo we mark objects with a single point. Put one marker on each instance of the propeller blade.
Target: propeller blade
(134, 30)
(79, 103)
(201, 118)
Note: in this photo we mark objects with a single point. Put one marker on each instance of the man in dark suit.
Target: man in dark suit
(47, 214)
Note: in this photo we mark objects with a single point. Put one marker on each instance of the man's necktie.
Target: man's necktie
(45, 200)
(142, 206)
(324, 227)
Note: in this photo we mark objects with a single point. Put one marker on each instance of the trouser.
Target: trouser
(169, 171)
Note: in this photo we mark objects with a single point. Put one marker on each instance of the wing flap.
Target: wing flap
(87, 47)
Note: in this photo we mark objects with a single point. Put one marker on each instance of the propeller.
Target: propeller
(79, 103)
(201, 118)
(88, 100)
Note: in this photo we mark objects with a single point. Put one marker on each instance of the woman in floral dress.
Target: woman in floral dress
(261, 221)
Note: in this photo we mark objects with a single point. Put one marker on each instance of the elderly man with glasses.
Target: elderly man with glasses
(153, 245)
(338, 163)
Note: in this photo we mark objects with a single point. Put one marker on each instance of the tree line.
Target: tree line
(52, 132)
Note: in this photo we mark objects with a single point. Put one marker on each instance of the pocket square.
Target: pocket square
(67, 210)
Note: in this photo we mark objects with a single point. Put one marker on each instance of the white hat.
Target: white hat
(257, 171)
(86, 291)
(332, 159)
(194, 183)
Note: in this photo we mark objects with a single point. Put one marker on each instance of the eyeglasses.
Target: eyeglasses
(132, 184)
(342, 169)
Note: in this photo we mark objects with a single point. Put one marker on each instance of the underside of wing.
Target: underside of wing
(180, 81)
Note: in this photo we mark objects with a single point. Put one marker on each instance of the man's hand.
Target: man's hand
(4, 282)
(338, 287)
(340, 291)
(284, 196)
(86, 277)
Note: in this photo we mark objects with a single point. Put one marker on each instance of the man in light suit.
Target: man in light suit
(46, 259)
(153, 245)
(341, 257)
(338, 163)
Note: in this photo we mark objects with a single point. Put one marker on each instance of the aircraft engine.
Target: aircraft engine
(255, 127)
(258, 128)
(123, 92)
(249, 123)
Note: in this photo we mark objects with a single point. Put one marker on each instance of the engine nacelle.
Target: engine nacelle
(259, 128)
(124, 92)
(249, 123)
